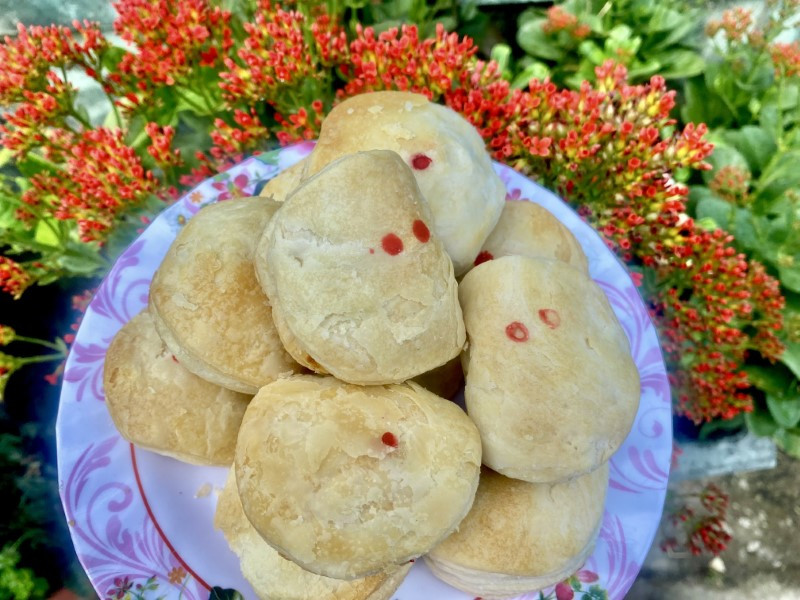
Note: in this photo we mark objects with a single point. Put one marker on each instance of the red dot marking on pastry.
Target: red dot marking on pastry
(483, 257)
(517, 332)
(389, 439)
(392, 244)
(550, 317)
(372, 250)
(173, 358)
(421, 162)
(421, 231)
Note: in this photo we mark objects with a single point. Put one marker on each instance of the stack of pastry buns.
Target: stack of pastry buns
(312, 337)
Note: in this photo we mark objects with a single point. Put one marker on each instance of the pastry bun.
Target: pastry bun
(208, 306)
(276, 578)
(360, 287)
(528, 229)
(158, 405)
(446, 154)
(520, 537)
(347, 480)
(550, 381)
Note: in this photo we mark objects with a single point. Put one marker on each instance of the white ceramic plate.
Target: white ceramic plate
(142, 523)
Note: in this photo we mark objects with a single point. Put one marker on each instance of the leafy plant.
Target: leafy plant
(18, 583)
(570, 39)
(750, 92)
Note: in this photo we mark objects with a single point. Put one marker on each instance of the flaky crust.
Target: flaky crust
(285, 182)
(465, 194)
(363, 309)
(557, 401)
(159, 405)
(276, 578)
(520, 537)
(207, 304)
(323, 484)
(528, 229)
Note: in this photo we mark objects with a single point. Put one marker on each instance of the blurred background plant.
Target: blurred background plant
(202, 83)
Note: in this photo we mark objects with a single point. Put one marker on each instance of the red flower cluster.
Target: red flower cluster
(735, 23)
(13, 277)
(28, 58)
(732, 183)
(160, 147)
(231, 140)
(702, 519)
(29, 125)
(300, 125)
(173, 39)
(276, 56)
(559, 19)
(786, 58)
(723, 296)
(103, 178)
(398, 60)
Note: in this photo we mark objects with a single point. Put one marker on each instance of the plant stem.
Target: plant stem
(29, 360)
(40, 342)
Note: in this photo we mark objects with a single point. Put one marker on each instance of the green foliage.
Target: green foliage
(753, 189)
(569, 40)
(16, 582)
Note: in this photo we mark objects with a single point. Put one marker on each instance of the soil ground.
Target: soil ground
(762, 560)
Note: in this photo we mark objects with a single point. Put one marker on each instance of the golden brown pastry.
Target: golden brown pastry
(520, 537)
(208, 306)
(285, 182)
(528, 229)
(550, 381)
(348, 480)
(159, 405)
(276, 578)
(446, 153)
(360, 287)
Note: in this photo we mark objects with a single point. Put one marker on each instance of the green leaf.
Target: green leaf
(6, 156)
(791, 357)
(642, 70)
(81, 263)
(788, 441)
(535, 70)
(533, 40)
(679, 64)
(702, 105)
(761, 423)
(789, 274)
(45, 235)
(779, 176)
(706, 429)
(744, 229)
(501, 54)
(592, 51)
(784, 410)
(112, 56)
(756, 144)
(773, 380)
(710, 206)
(218, 593)
(679, 26)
